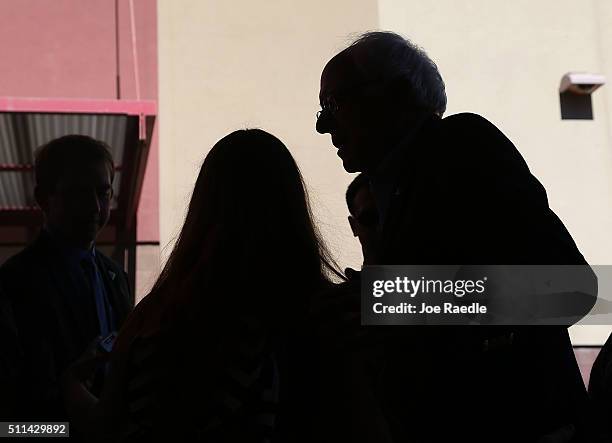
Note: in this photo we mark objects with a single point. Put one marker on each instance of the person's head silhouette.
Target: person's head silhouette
(74, 176)
(248, 223)
(374, 90)
(363, 216)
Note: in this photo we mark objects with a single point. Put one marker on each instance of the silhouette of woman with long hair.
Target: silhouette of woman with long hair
(197, 360)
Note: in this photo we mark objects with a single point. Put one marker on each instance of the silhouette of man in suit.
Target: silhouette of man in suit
(60, 292)
(452, 190)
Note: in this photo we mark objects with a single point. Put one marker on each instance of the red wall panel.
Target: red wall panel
(68, 49)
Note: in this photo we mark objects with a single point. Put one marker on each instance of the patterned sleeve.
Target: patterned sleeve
(242, 405)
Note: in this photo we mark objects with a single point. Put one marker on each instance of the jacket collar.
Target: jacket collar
(392, 171)
(393, 165)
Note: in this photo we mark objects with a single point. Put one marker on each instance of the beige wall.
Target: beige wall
(147, 269)
(505, 60)
(229, 65)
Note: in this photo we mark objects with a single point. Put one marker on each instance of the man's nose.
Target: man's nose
(325, 122)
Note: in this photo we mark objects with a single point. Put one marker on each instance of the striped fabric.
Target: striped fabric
(243, 406)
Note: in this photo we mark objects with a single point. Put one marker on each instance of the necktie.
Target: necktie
(102, 307)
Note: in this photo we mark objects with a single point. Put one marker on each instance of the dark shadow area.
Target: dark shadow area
(576, 107)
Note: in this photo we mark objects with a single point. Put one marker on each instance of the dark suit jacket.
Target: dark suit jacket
(50, 318)
(459, 192)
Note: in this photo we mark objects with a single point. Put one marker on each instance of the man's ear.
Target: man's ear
(353, 224)
(42, 198)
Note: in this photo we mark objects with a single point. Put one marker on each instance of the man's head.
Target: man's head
(371, 92)
(74, 176)
(363, 216)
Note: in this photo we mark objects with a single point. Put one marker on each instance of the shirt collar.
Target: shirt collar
(69, 251)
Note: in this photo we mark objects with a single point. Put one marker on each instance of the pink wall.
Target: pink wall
(67, 49)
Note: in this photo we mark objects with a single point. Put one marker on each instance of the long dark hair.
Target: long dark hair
(248, 249)
(248, 240)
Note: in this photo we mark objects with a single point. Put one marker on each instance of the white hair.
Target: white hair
(388, 57)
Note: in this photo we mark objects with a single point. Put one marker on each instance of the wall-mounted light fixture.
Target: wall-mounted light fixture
(575, 94)
(581, 83)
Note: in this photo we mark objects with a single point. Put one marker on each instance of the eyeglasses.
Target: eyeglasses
(329, 106)
(80, 193)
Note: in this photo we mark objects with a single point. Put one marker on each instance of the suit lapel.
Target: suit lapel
(405, 169)
(392, 219)
(74, 291)
(117, 294)
(403, 176)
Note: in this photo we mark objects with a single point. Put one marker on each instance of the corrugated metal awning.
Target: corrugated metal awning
(26, 124)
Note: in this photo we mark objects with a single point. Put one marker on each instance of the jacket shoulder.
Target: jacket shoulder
(467, 122)
(473, 140)
(26, 275)
(26, 260)
(463, 117)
